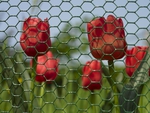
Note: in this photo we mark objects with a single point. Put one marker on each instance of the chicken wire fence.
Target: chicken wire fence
(69, 56)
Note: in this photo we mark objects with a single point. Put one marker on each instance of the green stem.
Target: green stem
(114, 88)
(111, 67)
(116, 99)
(106, 73)
(33, 74)
(92, 100)
(42, 90)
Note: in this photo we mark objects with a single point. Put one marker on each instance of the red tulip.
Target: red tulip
(47, 68)
(35, 37)
(133, 58)
(92, 75)
(107, 38)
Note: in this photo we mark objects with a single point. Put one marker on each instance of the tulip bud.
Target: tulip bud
(134, 58)
(92, 75)
(107, 38)
(35, 39)
(47, 68)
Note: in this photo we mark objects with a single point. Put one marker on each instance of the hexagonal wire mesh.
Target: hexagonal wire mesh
(94, 58)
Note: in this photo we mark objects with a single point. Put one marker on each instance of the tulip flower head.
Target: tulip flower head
(133, 58)
(92, 75)
(107, 38)
(47, 68)
(35, 37)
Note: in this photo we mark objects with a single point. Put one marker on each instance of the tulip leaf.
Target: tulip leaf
(17, 93)
(129, 99)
